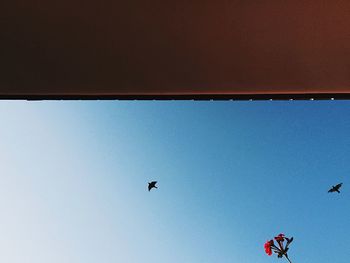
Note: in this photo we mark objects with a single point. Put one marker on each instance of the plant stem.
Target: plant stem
(288, 259)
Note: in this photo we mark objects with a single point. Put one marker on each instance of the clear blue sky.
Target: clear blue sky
(231, 175)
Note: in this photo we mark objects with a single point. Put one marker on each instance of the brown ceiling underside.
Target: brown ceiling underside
(151, 48)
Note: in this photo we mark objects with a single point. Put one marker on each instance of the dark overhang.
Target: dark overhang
(160, 49)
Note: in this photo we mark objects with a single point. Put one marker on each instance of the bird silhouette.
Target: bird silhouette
(335, 188)
(152, 185)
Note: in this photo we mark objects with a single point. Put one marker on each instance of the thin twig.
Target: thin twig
(288, 259)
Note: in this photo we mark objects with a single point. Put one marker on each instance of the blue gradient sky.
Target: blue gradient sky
(231, 175)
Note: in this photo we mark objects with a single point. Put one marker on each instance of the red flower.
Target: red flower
(280, 237)
(280, 249)
(267, 246)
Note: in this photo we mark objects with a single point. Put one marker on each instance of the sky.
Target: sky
(231, 175)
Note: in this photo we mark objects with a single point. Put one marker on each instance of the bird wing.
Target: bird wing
(331, 190)
(338, 186)
(151, 185)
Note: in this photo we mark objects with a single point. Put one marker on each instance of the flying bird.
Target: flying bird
(335, 188)
(152, 185)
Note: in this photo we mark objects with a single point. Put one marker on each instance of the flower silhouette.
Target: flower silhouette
(268, 247)
(280, 249)
(280, 237)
